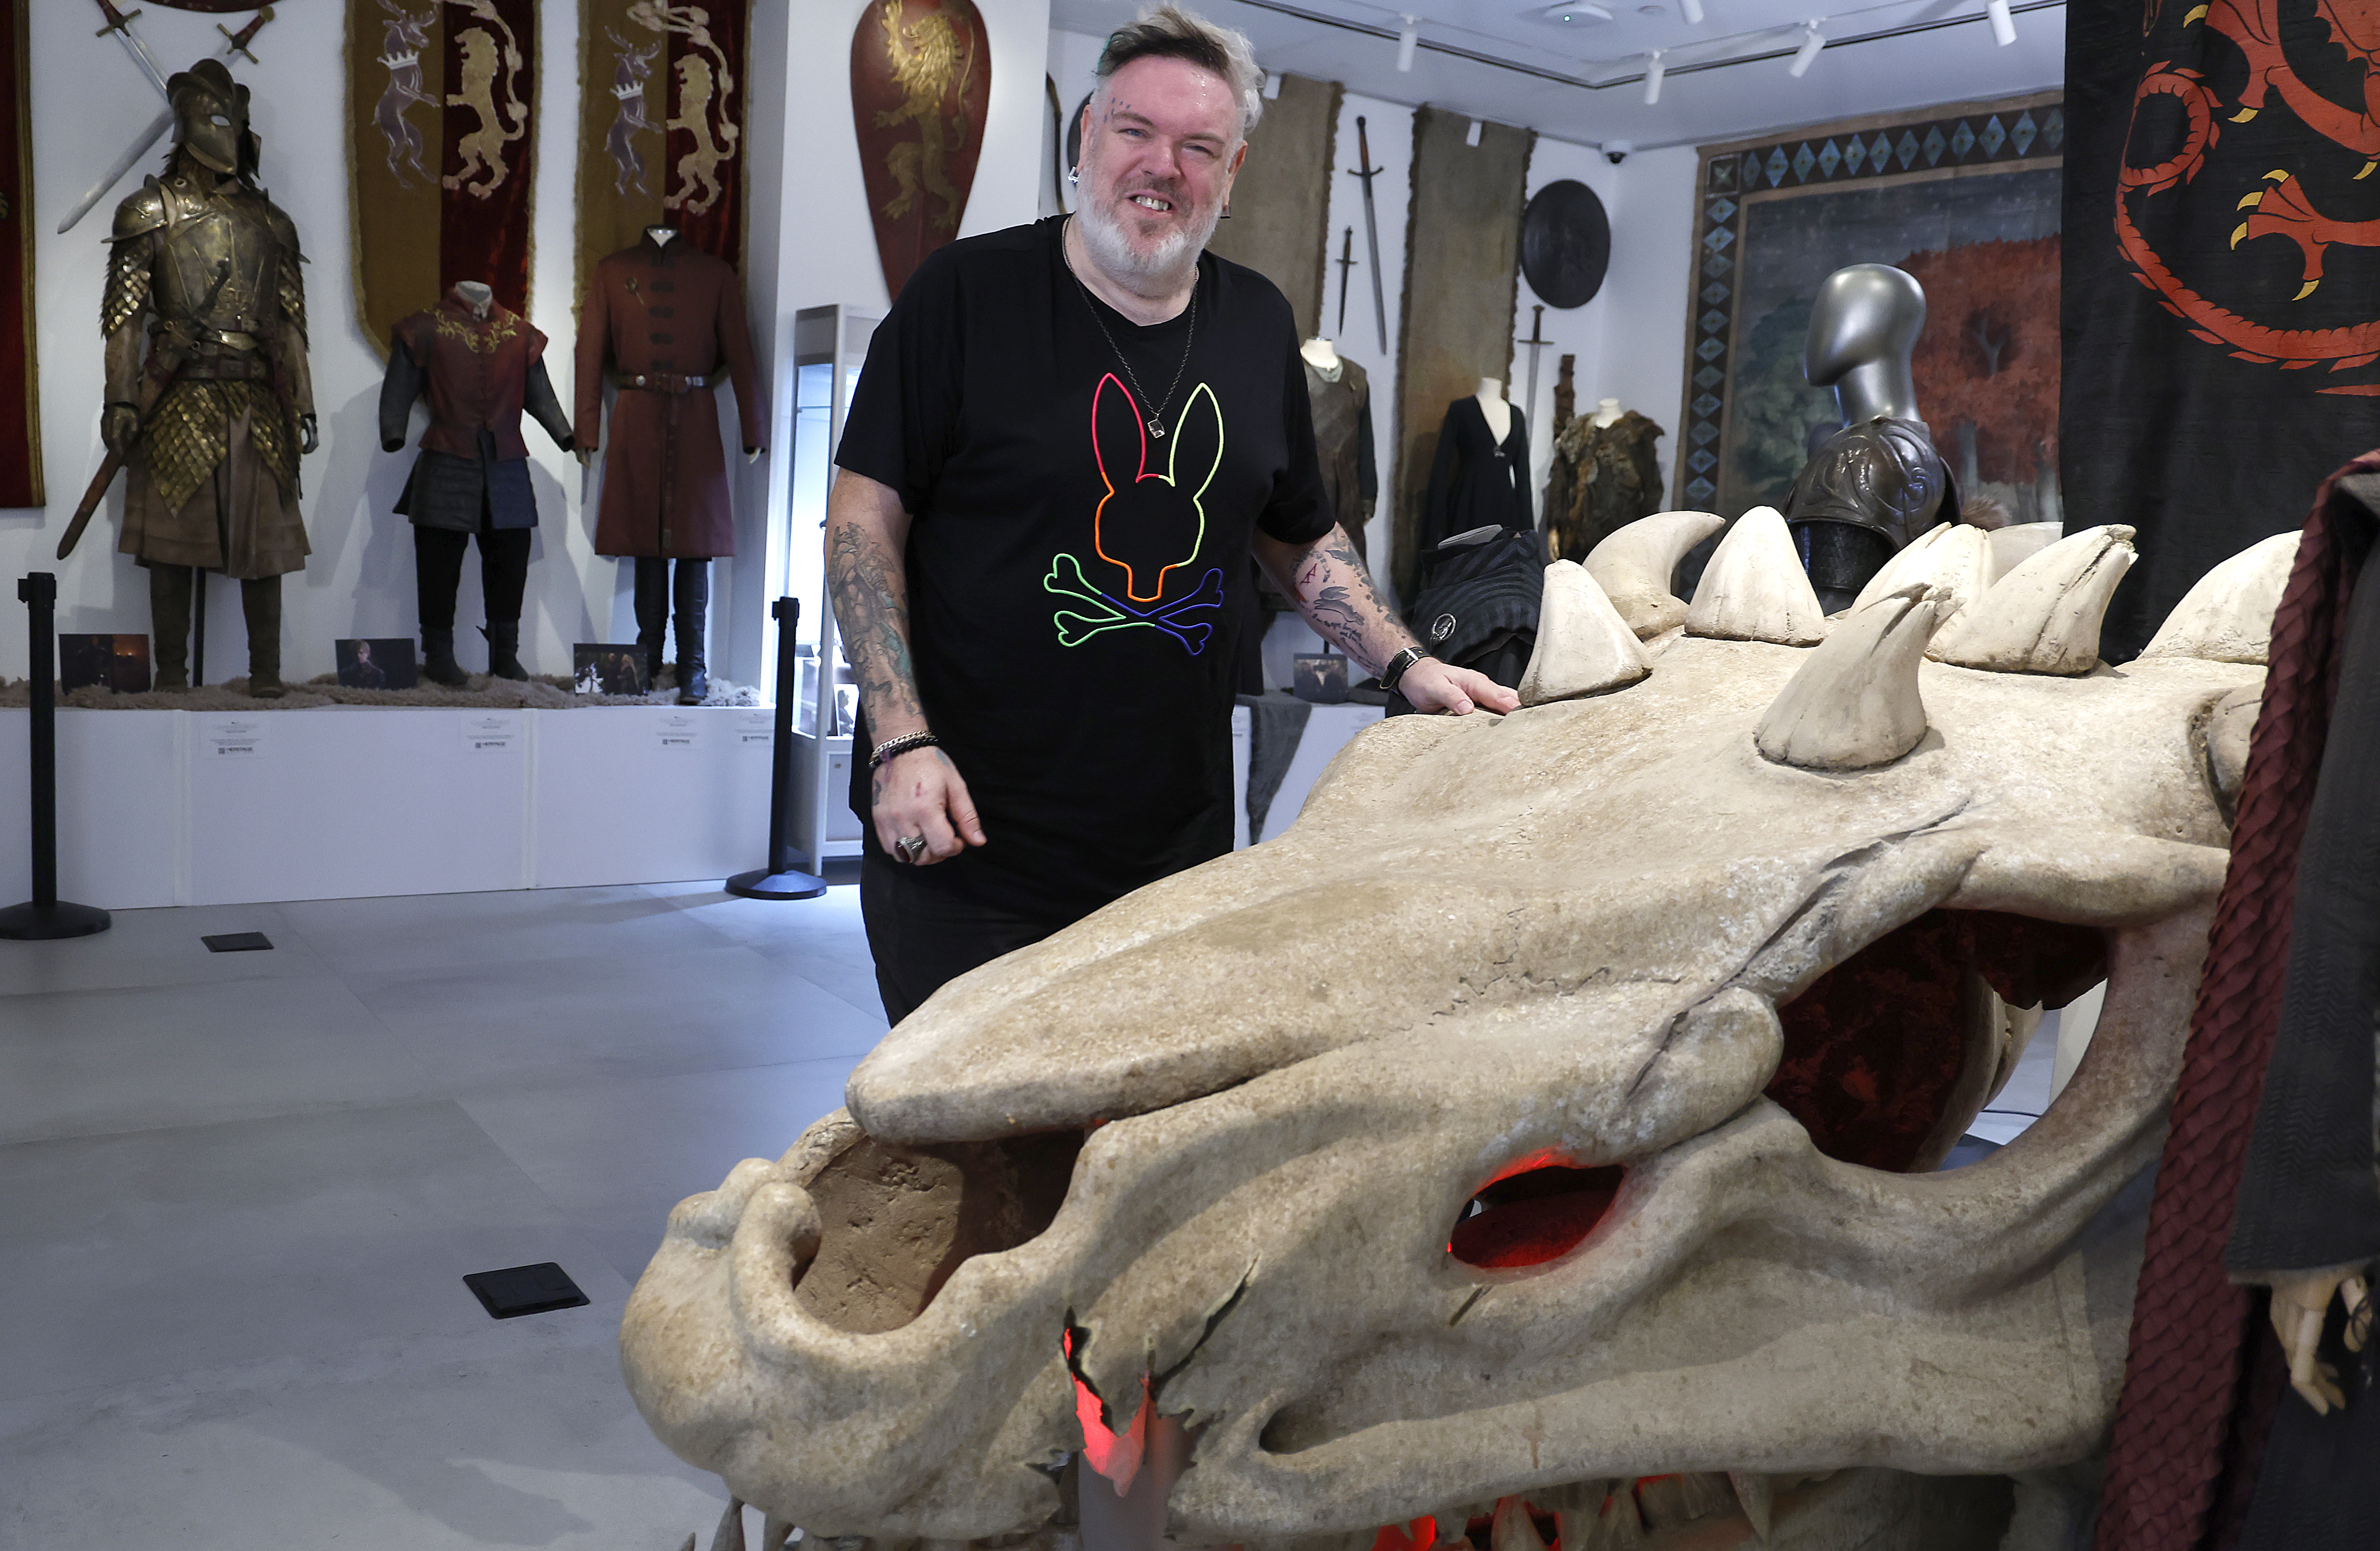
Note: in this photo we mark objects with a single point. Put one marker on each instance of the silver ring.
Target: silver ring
(911, 847)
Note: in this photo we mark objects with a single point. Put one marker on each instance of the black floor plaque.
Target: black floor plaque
(237, 942)
(520, 1290)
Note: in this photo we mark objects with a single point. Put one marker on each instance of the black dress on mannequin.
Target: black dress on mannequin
(1475, 480)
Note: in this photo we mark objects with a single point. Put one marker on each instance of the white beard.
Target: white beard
(1163, 270)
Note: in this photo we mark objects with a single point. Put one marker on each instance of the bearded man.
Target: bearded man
(1067, 440)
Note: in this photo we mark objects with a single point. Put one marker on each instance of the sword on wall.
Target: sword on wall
(1371, 229)
(1346, 260)
(121, 25)
(1536, 342)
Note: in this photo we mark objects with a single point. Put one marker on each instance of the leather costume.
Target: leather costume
(1603, 479)
(479, 374)
(211, 266)
(1870, 489)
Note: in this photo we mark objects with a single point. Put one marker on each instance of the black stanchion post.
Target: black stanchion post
(776, 881)
(46, 916)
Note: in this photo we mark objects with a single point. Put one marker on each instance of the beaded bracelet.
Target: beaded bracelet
(893, 749)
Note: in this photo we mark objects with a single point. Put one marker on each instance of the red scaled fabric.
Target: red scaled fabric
(2198, 1387)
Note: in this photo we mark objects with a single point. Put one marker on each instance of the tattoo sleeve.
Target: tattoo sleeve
(1335, 593)
(868, 581)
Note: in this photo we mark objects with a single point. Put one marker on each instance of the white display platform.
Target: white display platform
(203, 807)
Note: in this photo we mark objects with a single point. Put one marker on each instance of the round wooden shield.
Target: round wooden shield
(1565, 244)
(1074, 136)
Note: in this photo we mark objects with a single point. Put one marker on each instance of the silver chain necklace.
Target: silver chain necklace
(1157, 417)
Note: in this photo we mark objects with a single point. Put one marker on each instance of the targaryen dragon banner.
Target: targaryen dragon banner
(661, 111)
(20, 413)
(442, 135)
(2222, 275)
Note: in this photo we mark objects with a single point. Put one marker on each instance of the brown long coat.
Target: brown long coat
(664, 315)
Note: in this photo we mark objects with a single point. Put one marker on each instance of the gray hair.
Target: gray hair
(1167, 31)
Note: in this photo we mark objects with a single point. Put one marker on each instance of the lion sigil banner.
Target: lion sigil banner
(660, 126)
(441, 136)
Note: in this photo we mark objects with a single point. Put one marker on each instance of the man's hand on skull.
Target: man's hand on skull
(2300, 1305)
(1432, 685)
(921, 792)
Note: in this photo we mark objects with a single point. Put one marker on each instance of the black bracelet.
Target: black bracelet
(893, 749)
(1395, 667)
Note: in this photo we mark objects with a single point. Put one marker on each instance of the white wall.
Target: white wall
(810, 242)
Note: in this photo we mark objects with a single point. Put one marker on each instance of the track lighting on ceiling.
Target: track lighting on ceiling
(1273, 86)
(1654, 71)
(2003, 24)
(1807, 55)
(1692, 10)
(1407, 41)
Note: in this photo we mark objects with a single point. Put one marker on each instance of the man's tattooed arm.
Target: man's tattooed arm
(1332, 589)
(867, 531)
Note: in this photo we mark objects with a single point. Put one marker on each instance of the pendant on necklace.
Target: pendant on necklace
(1156, 428)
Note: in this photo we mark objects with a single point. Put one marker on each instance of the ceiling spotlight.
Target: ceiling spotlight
(1804, 56)
(1273, 86)
(1654, 71)
(2003, 24)
(1406, 41)
(1585, 14)
(1692, 10)
(1471, 135)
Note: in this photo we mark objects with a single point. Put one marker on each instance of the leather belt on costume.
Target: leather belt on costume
(665, 382)
(226, 369)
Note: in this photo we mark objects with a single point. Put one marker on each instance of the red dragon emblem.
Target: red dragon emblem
(2284, 62)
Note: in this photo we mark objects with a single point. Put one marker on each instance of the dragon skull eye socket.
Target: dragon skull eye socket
(1888, 1054)
(1533, 1217)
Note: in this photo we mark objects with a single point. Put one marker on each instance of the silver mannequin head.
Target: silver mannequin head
(1862, 328)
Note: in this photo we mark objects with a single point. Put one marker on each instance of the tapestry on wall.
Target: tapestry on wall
(442, 143)
(920, 93)
(2222, 279)
(1965, 198)
(20, 403)
(1462, 266)
(1281, 203)
(663, 106)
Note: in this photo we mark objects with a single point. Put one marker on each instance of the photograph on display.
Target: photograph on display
(120, 662)
(379, 663)
(601, 668)
(1967, 199)
(1322, 679)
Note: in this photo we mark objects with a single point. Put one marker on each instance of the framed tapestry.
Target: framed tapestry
(20, 400)
(1966, 197)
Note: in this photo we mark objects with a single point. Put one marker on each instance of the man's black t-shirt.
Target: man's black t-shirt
(1074, 576)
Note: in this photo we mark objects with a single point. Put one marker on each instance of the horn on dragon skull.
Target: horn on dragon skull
(1754, 588)
(1633, 566)
(1584, 645)
(1956, 557)
(1854, 705)
(2228, 617)
(2044, 617)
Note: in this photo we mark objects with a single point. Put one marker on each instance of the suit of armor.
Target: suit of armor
(203, 270)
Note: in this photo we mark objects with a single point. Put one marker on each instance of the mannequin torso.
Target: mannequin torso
(1323, 357)
(1493, 405)
(1606, 413)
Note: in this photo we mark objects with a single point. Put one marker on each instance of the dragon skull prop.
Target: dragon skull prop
(1556, 1104)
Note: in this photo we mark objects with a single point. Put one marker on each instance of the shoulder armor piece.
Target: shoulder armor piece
(284, 230)
(143, 211)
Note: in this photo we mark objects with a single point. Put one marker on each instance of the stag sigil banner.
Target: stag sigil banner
(660, 129)
(20, 406)
(921, 90)
(442, 139)
(2222, 277)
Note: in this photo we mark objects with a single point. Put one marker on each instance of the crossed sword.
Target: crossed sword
(121, 24)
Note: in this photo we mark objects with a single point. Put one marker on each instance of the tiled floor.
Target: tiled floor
(238, 1193)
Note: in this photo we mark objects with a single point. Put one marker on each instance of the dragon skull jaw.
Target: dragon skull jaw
(1295, 1065)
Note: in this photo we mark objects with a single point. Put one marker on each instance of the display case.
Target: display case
(830, 346)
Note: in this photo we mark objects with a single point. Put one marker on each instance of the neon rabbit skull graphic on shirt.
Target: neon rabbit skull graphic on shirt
(1150, 521)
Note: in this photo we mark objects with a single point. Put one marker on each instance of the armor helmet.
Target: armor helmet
(210, 116)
